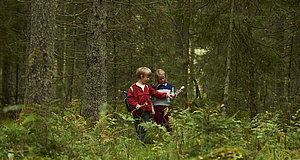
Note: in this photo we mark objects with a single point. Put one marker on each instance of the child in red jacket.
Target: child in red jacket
(139, 99)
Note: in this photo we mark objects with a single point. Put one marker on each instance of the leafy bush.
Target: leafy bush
(198, 133)
(227, 153)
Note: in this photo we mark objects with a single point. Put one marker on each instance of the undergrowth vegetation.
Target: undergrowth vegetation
(198, 133)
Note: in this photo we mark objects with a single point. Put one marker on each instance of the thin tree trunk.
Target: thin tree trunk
(129, 49)
(182, 27)
(228, 59)
(251, 64)
(290, 65)
(279, 73)
(289, 68)
(115, 61)
(192, 74)
(297, 61)
(96, 76)
(70, 75)
(17, 81)
(288, 88)
(60, 53)
(265, 94)
(185, 29)
(6, 99)
(252, 93)
(71, 54)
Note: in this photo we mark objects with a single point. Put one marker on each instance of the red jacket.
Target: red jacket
(138, 96)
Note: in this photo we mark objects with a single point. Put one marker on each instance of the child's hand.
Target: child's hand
(177, 92)
(171, 96)
(138, 107)
(153, 112)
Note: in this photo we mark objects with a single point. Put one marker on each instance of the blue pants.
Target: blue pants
(138, 119)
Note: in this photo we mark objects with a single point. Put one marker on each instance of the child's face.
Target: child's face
(145, 79)
(161, 79)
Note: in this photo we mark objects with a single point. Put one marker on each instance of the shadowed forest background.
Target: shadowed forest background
(65, 65)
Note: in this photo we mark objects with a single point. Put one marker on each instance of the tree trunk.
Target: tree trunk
(40, 64)
(60, 52)
(250, 51)
(251, 91)
(5, 81)
(70, 53)
(297, 62)
(279, 73)
(192, 74)
(289, 81)
(95, 86)
(289, 71)
(17, 81)
(228, 59)
(182, 27)
(70, 62)
(115, 69)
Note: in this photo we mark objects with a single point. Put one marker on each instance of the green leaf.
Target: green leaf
(13, 108)
(30, 118)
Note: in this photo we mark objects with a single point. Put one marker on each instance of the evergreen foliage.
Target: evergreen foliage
(186, 38)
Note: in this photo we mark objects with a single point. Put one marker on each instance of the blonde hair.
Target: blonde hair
(143, 71)
(158, 73)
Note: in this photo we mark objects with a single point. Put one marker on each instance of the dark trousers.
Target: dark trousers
(138, 119)
(161, 118)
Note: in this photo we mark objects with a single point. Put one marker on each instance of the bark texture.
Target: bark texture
(182, 38)
(6, 99)
(228, 59)
(40, 52)
(96, 76)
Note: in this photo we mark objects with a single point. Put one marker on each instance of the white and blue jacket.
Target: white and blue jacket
(164, 88)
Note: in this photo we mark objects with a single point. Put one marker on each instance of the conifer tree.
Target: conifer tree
(40, 62)
(95, 85)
